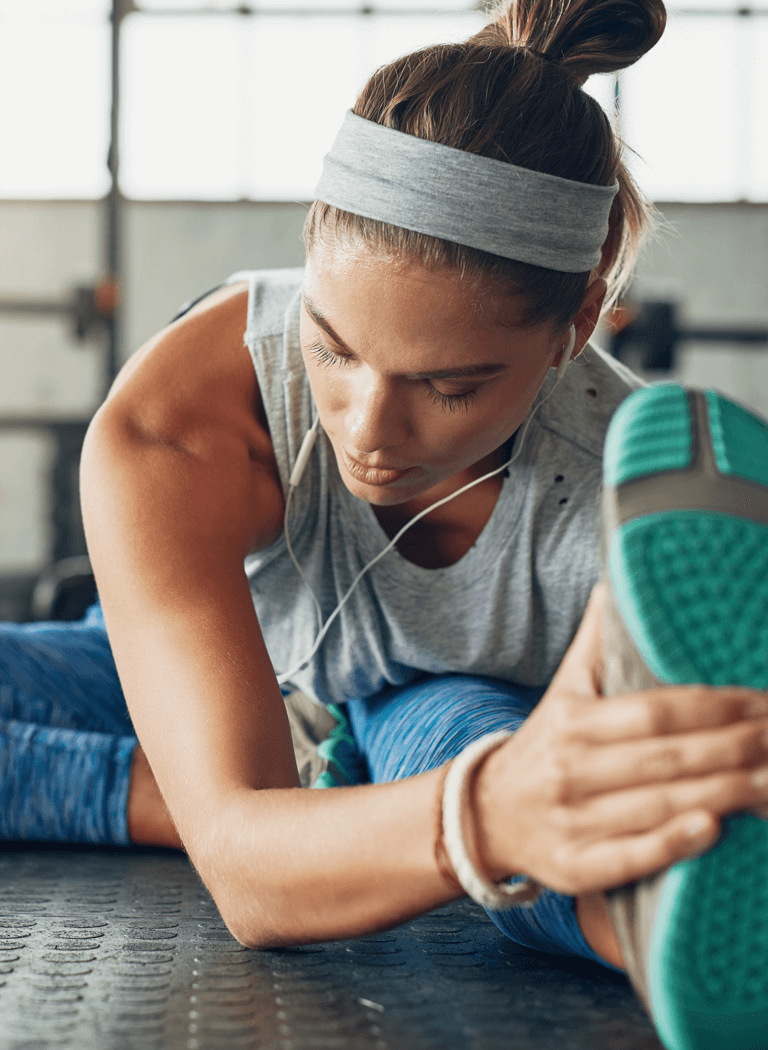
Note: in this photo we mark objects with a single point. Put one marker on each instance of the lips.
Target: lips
(372, 475)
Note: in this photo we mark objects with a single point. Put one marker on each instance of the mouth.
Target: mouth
(372, 475)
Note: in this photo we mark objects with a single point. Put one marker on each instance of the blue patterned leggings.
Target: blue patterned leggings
(66, 739)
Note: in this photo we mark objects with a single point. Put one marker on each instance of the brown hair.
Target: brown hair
(513, 92)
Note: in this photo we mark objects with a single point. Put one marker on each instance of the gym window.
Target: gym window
(221, 105)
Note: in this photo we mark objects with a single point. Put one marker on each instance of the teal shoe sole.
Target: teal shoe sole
(688, 562)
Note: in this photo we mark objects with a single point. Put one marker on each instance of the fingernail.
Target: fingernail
(760, 777)
(697, 826)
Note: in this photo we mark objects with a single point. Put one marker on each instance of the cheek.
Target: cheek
(518, 396)
(460, 438)
(328, 387)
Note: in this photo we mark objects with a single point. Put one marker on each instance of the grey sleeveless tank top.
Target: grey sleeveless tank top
(508, 609)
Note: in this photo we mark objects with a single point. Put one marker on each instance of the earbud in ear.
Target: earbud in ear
(567, 351)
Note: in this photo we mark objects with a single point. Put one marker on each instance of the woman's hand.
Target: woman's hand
(592, 793)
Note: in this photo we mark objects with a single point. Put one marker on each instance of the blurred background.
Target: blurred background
(148, 150)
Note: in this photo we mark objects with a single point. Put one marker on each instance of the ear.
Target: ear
(589, 313)
(586, 319)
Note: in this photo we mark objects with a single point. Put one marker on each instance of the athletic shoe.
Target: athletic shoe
(325, 750)
(686, 522)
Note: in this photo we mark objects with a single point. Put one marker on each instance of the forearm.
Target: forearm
(293, 866)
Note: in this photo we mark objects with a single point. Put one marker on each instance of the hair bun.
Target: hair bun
(584, 36)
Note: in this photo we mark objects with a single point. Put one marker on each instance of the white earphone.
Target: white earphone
(567, 351)
(304, 453)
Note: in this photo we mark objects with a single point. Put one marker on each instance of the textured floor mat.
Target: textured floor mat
(115, 950)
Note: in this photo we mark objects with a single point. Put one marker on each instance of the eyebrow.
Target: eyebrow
(460, 372)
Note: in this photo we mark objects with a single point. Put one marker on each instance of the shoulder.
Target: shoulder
(202, 346)
(582, 406)
(184, 420)
(194, 378)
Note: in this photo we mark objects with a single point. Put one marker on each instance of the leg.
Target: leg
(66, 741)
(149, 822)
(410, 730)
(62, 675)
(593, 917)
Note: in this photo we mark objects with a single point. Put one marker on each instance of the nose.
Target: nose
(375, 415)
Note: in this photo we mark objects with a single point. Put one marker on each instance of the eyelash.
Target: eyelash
(451, 402)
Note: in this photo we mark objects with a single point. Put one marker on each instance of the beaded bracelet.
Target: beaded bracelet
(496, 896)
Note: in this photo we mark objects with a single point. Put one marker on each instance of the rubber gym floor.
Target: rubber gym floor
(111, 949)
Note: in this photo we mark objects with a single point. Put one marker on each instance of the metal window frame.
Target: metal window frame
(68, 433)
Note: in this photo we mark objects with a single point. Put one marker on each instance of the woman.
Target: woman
(426, 352)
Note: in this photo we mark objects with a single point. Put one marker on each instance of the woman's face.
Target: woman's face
(413, 390)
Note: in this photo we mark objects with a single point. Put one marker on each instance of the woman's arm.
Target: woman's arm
(178, 484)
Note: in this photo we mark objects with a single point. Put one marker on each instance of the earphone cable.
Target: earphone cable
(283, 678)
(299, 570)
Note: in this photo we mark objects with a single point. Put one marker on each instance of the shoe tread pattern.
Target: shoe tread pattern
(705, 937)
(739, 439)
(692, 587)
(709, 984)
(649, 434)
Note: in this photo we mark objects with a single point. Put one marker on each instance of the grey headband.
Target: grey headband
(424, 186)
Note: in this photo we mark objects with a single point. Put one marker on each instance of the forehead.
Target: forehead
(355, 285)
(352, 274)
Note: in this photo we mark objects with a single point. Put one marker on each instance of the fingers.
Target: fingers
(668, 710)
(594, 769)
(641, 809)
(615, 862)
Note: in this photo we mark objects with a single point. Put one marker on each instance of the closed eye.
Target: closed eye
(326, 356)
(449, 402)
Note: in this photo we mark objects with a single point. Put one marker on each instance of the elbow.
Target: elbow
(259, 902)
(253, 920)
(255, 939)
(258, 934)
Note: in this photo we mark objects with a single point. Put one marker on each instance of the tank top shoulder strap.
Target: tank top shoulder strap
(272, 339)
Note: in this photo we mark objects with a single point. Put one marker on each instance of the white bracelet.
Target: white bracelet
(496, 896)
